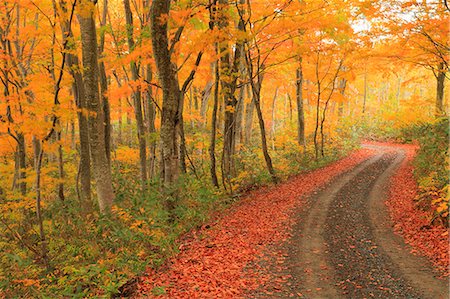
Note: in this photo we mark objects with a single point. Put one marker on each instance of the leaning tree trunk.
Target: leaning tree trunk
(102, 169)
(257, 103)
(171, 92)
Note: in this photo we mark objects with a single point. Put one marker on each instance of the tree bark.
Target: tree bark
(300, 111)
(212, 146)
(440, 79)
(102, 170)
(104, 85)
(137, 98)
(167, 73)
(150, 117)
(342, 86)
(78, 92)
(21, 163)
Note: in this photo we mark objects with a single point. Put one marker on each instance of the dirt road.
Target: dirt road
(343, 245)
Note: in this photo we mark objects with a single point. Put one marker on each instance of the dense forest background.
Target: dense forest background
(125, 124)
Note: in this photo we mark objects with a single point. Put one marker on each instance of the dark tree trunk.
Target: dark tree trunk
(104, 85)
(21, 163)
(212, 146)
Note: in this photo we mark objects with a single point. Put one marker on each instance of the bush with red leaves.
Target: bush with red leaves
(412, 223)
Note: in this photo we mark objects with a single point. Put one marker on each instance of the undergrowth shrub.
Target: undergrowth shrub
(431, 168)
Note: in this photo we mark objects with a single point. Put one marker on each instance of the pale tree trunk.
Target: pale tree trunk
(272, 127)
(102, 170)
(239, 118)
(342, 85)
(365, 93)
(300, 111)
(84, 169)
(204, 101)
(137, 98)
(171, 93)
(249, 111)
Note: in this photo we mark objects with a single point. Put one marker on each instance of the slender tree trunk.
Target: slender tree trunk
(102, 169)
(272, 127)
(300, 111)
(205, 96)
(342, 86)
(120, 125)
(212, 146)
(60, 168)
(21, 162)
(256, 101)
(183, 152)
(365, 93)
(151, 117)
(238, 138)
(42, 237)
(249, 109)
(137, 98)
(440, 79)
(104, 85)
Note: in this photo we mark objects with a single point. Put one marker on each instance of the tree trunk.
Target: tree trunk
(137, 98)
(300, 111)
(256, 101)
(205, 96)
(440, 79)
(60, 167)
(212, 146)
(272, 127)
(342, 85)
(167, 72)
(102, 170)
(365, 93)
(249, 109)
(21, 164)
(104, 86)
(151, 116)
(78, 91)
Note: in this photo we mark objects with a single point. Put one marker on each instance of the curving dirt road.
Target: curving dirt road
(343, 245)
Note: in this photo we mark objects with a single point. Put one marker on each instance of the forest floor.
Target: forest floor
(324, 234)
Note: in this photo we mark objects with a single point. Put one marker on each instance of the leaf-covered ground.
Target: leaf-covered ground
(412, 223)
(219, 260)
